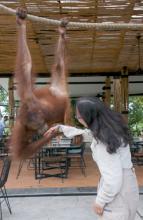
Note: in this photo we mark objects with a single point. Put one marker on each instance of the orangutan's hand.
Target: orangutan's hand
(62, 27)
(21, 15)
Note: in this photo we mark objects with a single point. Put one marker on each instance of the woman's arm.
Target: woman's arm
(68, 131)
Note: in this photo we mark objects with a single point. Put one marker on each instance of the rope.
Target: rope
(98, 26)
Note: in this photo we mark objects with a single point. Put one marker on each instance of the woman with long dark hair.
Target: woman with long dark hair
(117, 196)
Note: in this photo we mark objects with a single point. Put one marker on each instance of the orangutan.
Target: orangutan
(39, 107)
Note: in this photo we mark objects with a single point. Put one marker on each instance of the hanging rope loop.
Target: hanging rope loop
(106, 26)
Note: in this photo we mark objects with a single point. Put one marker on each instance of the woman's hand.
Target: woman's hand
(51, 132)
(98, 209)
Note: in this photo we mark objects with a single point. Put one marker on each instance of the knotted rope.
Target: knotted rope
(98, 26)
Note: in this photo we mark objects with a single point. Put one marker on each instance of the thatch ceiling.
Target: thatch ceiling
(91, 51)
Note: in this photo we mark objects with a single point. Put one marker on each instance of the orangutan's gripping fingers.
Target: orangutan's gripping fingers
(21, 13)
(64, 22)
(62, 27)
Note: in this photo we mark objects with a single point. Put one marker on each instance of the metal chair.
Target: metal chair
(30, 165)
(3, 148)
(52, 161)
(137, 153)
(3, 180)
(75, 157)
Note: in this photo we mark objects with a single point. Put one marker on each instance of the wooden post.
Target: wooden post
(117, 93)
(11, 102)
(124, 90)
(107, 89)
(68, 116)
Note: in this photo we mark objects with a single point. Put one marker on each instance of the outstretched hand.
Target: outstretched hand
(51, 132)
(21, 14)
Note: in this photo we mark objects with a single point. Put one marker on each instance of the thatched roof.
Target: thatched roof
(91, 51)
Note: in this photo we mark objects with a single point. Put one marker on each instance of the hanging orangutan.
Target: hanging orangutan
(39, 107)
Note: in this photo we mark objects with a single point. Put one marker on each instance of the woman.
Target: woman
(117, 196)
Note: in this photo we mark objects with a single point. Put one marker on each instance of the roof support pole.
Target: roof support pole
(11, 102)
(107, 91)
(117, 93)
(124, 90)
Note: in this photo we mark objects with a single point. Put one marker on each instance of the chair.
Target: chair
(31, 160)
(3, 180)
(75, 157)
(52, 161)
(3, 149)
(137, 153)
(30, 165)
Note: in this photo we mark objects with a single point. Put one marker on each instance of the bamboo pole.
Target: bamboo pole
(107, 89)
(117, 93)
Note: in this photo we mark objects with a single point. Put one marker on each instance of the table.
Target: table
(53, 156)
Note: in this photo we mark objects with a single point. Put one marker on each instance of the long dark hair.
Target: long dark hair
(106, 125)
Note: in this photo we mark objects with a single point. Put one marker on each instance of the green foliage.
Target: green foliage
(136, 115)
(4, 100)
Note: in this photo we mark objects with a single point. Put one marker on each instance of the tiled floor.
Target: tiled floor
(75, 177)
(56, 208)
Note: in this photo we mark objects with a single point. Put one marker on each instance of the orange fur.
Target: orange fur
(39, 107)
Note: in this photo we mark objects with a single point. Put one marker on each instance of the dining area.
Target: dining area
(57, 157)
(36, 172)
(59, 167)
(61, 161)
